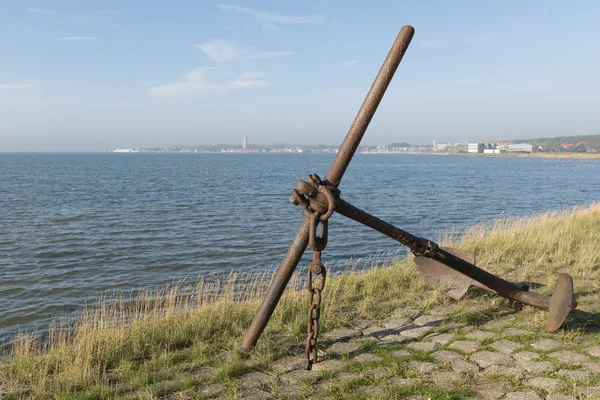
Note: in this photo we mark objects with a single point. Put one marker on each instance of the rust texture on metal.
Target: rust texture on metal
(334, 176)
(301, 195)
(562, 302)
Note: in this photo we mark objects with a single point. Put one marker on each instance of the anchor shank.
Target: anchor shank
(501, 286)
(334, 176)
(369, 106)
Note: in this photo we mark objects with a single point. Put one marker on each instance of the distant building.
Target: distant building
(439, 146)
(491, 151)
(245, 142)
(520, 148)
(476, 147)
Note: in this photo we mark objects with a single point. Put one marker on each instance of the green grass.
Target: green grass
(150, 346)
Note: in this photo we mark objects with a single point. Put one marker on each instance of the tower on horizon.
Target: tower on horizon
(245, 142)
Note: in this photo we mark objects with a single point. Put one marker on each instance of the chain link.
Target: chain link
(317, 245)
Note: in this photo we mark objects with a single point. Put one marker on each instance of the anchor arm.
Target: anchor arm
(502, 287)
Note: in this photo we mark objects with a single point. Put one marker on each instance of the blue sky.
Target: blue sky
(82, 76)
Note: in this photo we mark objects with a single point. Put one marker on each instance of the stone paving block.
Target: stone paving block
(361, 323)
(505, 371)
(213, 390)
(407, 312)
(548, 384)
(441, 338)
(329, 365)
(428, 320)
(525, 356)
(294, 377)
(523, 396)
(366, 357)
(575, 375)
(379, 373)
(490, 391)
(421, 367)
(463, 367)
(401, 353)
(447, 356)
(398, 381)
(480, 335)
(569, 357)
(560, 397)
(592, 391)
(395, 322)
(423, 346)
(593, 351)
(506, 346)
(487, 358)
(256, 394)
(290, 391)
(342, 334)
(466, 346)
(395, 339)
(344, 348)
(494, 324)
(348, 376)
(546, 344)
(415, 332)
(378, 331)
(444, 380)
(537, 367)
(592, 367)
(287, 364)
(457, 325)
(256, 379)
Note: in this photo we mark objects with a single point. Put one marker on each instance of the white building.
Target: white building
(245, 142)
(520, 148)
(491, 151)
(475, 147)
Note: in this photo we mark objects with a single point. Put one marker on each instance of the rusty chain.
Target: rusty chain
(302, 195)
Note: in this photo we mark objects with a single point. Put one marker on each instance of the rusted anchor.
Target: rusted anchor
(320, 198)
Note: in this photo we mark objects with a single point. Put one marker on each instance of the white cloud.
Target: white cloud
(195, 82)
(16, 86)
(77, 38)
(430, 44)
(263, 16)
(220, 50)
(348, 63)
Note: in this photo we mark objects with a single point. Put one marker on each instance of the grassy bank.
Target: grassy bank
(160, 344)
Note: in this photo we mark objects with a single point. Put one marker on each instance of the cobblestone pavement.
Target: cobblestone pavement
(428, 355)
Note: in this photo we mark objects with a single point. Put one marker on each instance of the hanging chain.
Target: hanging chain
(317, 245)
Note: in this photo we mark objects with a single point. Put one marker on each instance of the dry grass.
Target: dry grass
(161, 335)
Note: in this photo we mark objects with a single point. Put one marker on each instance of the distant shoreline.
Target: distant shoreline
(534, 155)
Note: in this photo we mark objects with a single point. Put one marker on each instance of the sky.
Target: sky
(84, 76)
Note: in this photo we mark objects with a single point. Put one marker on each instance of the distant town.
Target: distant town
(559, 144)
